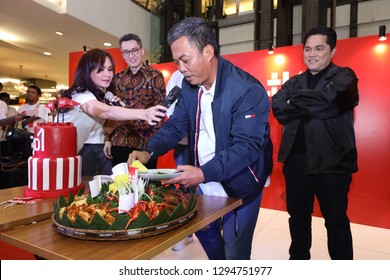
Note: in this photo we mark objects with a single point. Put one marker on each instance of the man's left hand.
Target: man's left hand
(189, 176)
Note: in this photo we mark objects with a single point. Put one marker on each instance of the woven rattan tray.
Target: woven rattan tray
(112, 235)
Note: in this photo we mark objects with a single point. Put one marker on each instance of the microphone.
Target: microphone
(172, 96)
(109, 96)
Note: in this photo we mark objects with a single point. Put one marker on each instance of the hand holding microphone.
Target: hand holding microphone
(110, 97)
(171, 98)
(152, 113)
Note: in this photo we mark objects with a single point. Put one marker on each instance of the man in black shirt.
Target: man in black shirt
(318, 146)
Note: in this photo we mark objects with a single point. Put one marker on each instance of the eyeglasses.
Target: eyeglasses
(128, 52)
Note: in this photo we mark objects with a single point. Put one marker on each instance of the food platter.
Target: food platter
(159, 174)
(159, 209)
(134, 233)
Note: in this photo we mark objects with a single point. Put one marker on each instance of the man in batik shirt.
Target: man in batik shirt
(139, 87)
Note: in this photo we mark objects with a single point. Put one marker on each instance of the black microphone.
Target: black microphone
(172, 96)
(109, 96)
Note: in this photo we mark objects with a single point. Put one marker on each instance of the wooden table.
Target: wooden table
(43, 240)
(23, 214)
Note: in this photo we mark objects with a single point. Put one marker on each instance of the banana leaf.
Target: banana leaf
(98, 223)
(65, 221)
(194, 202)
(120, 222)
(80, 192)
(70, 198)
(56, 211)
(189, 204)
(80, 223)
(178, 212)
(161, 218)
(62, 202)
(141, 221)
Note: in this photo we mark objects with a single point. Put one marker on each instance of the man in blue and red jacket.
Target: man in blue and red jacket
(225, 112)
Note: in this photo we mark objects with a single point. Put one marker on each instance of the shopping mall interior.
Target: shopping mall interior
(247, 32)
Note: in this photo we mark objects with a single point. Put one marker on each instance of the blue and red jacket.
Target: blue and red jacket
(241, 107)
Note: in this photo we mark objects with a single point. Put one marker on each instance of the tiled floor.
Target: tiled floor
(272, 239)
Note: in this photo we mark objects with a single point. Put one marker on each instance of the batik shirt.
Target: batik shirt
(141, 90)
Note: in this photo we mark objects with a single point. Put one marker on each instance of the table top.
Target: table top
(43, 240)
(22, 214)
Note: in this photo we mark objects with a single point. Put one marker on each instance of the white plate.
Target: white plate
(104, 178)
(159, 174)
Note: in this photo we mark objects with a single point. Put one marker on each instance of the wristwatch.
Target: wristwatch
(150, 152)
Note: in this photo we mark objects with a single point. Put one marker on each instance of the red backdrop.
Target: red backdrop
(370, 190)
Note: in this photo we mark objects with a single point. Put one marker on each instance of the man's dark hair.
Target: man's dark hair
(331, 36)
(37, 88)
(197, 31)
(4, 95)
(129, 37)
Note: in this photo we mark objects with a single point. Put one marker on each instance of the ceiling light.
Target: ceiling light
(382, 33)
(7, 36)
(59, 33)
(47, 53)
(21, 88)
(275, 3)
(59, 6)
(107, 44)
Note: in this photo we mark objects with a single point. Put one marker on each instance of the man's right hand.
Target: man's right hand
(143, 157)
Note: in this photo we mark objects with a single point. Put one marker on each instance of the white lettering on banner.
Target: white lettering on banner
(275, 82)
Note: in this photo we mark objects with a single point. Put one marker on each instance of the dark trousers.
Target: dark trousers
(331, 191)
(94, 161)
(234, 242)
(121, 154)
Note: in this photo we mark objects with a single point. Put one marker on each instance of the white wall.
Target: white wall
(116, 17)
(236, 39)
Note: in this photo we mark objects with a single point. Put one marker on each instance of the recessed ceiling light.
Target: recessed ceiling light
(47, 53)
(107, 44)
(7, 36)
(59, 33)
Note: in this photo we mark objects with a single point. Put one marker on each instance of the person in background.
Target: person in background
(3, 109)
(92, 79)
(3, 106)
(10, 112)
(318, 146)
(181, 152)
(224, 110)
(138, 86)
(33, 109)
(3, 128)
